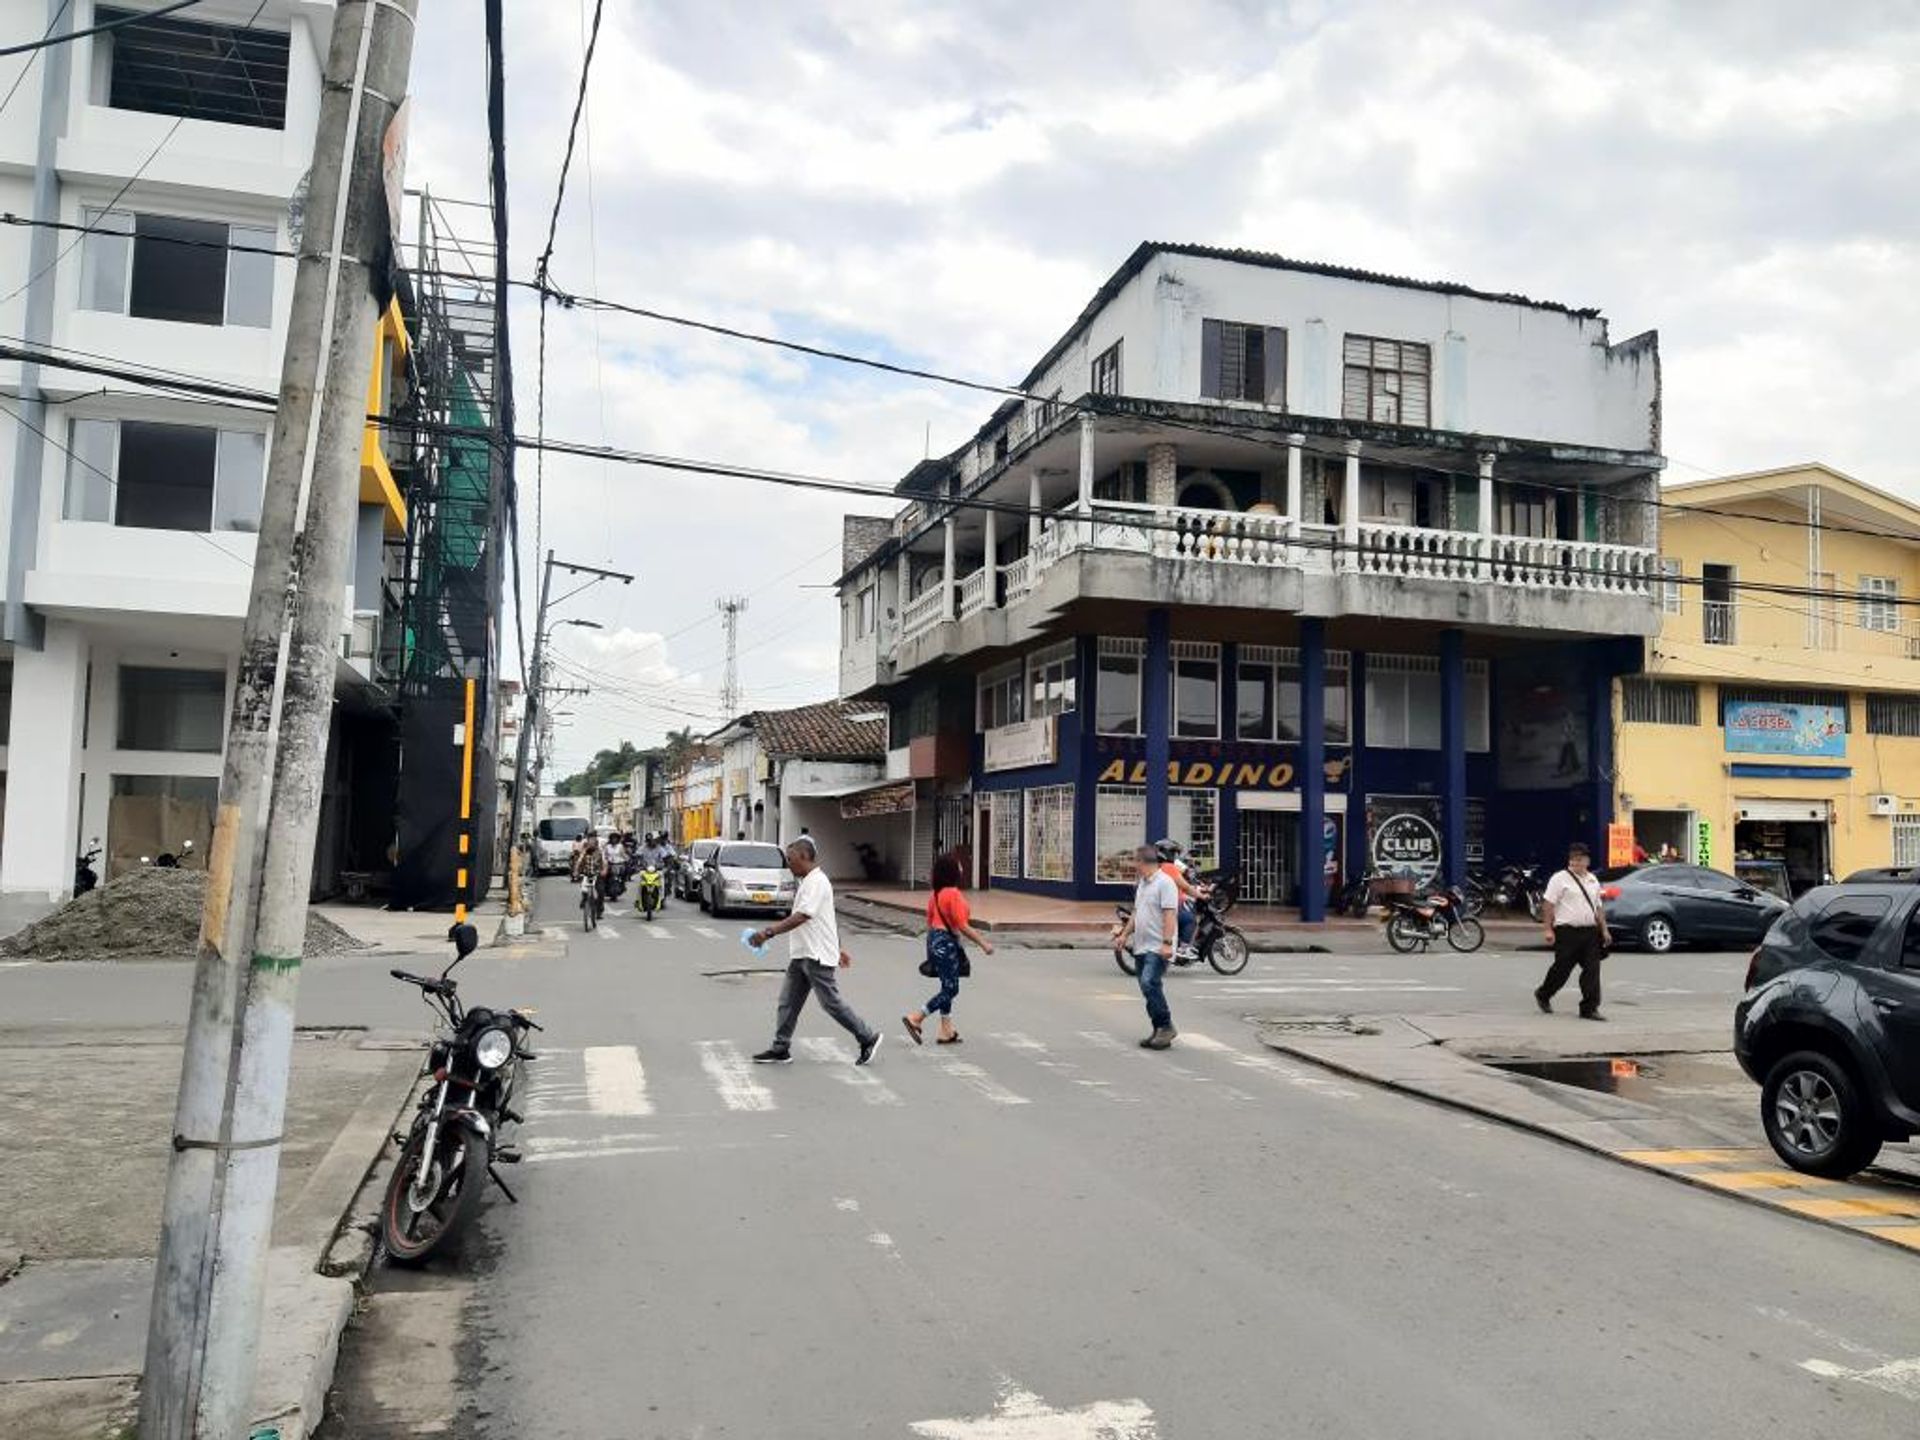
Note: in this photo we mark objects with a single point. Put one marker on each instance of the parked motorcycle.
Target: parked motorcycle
(652, 889)
(85, 877)
(1519, 887)
(1414, 922)
(476, 1062)
(871, 865)
(1356, 896)
(1221, 945)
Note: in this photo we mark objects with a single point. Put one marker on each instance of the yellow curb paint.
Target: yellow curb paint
(1822, 1209)
(1687, 1157)
(1759, 1180)
(1907, 1235)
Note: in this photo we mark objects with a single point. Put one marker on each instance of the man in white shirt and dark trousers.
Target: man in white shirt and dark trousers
(1577, 930)
(814, 959)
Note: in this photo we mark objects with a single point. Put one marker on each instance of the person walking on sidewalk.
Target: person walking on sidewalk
(947, 920)
(1577, 931)
(1149, 932)
(814, 959)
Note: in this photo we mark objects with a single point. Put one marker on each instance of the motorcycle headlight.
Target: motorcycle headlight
(493, 1049)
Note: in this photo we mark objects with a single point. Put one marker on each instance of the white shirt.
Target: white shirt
(1564, 899)
(819, 938)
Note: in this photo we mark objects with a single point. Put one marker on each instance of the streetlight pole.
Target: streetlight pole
(536, 676)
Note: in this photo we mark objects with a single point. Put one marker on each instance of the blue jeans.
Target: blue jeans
(949, 972)
(1189, 917)
(1153, 969)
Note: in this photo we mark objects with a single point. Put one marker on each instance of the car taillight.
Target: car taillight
(1753, 968)
(1609, 892)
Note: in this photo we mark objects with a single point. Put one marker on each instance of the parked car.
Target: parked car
(747, 875)
(1660, 906)
(1830, 1026)
(693, 869)
(553, 842)
(1884, 875)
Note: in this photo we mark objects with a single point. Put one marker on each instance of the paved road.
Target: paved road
(1215, 1242)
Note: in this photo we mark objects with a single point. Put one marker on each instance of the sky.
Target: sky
(946, 182)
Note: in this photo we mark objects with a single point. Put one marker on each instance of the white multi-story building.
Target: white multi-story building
(170, 150)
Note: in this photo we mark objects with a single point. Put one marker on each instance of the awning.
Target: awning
(865, 797)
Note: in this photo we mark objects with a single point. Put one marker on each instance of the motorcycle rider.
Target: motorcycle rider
(591, 860)
(1190, 890)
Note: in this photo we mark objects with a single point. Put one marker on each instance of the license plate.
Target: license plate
(762, 897)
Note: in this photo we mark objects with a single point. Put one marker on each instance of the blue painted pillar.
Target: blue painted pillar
(1356, 822)
(1156, 698)
(1313, 769)
(1453, 755)
(1599, 776)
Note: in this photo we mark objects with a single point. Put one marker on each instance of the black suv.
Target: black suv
(1830, 1026)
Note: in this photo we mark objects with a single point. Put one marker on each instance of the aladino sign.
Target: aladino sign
(1757, 727)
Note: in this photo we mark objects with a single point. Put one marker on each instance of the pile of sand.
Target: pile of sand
(147, 914)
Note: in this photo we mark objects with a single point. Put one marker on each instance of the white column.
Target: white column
(905, 594)
(947, 577)
(1086, 479)
(1296, 488)
(1033, 511)
(991, 562)
(1486, 511)
(1350, 509)
(43, 766)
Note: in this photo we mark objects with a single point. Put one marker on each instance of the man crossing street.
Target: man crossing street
(814, 960)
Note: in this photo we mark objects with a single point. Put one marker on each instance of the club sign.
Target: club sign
(1407, 843)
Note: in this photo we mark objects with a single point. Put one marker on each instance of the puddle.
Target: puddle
(1632, 1077)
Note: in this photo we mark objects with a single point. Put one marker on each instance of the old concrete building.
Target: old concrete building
(1312, 568)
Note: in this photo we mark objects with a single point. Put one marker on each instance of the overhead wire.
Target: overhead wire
(27, 64)
(48, 41)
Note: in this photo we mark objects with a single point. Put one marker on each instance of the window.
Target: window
(1267, 694)
(563, 829)
(1116, 699)
(1050, 676)
(166, 709)
(1906, 841)
(159, 267)
(1893, 715)
(1001, 693)
(1243, 362)
(863, 612)
(1659, 702)
(1003, 856)
(1403, 703)
(1050, 833)
(1879, 602)
(750, 856)
(1847, 924)
(231, 74)
(1670, 586)
(1193, 822)
(155, 476)
(1717, 604)
(1106, 371)
(1196, 690)
(1120, 827)
(1385, 381)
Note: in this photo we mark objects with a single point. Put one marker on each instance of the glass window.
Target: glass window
(1117, 693)
(1106, 371)
(1000, 697)
(173, 280)
(1119, 827)
(1050, 833)
(1050, 677)
(1910, 945)
(240, 480)
(1192, 822)
(1670, 586)
(1879, 602)
(1003, 855)
(104, 256)
(1339, 728)
(564, 829)
(165, 477)
(1403, 703)
(1843, 929)
(250, 276)
(90, 467)
(752, 857)
(1253, 702)
(1196, 691)
(168, 709)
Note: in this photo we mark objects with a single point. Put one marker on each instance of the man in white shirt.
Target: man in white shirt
(1576, 927)
(1149, 934)
(814, 958)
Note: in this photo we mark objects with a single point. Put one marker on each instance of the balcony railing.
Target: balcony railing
(1019, 574)
(973, 592)
(923, 612)
(1716, 622)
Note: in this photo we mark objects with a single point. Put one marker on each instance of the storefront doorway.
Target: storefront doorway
(1270, 846)
(1794, 833)
(1657, 831)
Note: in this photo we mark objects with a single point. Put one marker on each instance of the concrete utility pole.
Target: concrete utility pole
(209, 1279)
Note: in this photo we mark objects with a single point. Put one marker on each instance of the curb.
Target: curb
(1488, 1112)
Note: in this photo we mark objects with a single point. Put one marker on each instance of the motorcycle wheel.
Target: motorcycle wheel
(588, 917)
(1125, 962)
(1229, 952)
(1468, 935)
(1533, 904)
(413, 1235)
(1405, 934)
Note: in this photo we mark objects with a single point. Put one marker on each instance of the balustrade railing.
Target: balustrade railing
(923, 612)
(973, 592)
(1019, 577)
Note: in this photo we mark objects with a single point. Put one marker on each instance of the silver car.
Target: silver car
(747, 875)
(691, 878)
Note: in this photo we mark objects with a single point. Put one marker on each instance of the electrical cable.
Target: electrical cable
(503, 434)
(45, 43)
(27, 64)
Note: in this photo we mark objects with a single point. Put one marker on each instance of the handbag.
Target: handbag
(938, 942)
(1600, 929)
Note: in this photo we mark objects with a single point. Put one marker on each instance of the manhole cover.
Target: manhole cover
(1334, 1025)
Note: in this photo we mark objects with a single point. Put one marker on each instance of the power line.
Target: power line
(503, 417)
(45, 43)
(21, 78)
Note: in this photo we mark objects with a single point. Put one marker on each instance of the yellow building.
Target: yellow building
(1778, 716)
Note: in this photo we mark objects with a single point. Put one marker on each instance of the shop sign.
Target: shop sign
(1230, 774)
(1619, 844)
(1404, 835)
(1021, 745)
(1756, 727)
(894, 799)
(1703, 844)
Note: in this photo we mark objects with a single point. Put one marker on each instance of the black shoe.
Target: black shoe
(774, 1055)
(1544, 1001)
(869, 1047)
(1591, 1015)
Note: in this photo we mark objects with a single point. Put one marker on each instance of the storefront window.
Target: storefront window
(1196, 691)
(1120, 828)
(1253, 704)
(1050, 833)
(1403, 703)
(1117, 697)
(1268, 694)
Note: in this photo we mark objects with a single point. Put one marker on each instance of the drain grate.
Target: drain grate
(1314, 1025)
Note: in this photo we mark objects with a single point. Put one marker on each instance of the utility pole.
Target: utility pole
(530, 716)
(730, 609)
(210, 1275)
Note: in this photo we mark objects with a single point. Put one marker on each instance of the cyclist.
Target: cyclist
(591, 860)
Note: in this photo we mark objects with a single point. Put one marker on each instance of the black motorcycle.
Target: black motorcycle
(85, 877)
(1221, 945)
(475, 1065)
(1414, 922)
(1356, 896)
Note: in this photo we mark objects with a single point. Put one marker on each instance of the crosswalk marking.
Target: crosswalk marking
(708, 932)
(1066, 1069)
(655, 932)
(971, 1074)
(607, 932)
(840, 1056)
(616, 1080)
(1271, 1065)
(598, 1152)
(729, 1070)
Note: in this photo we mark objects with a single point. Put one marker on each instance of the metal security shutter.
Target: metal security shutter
(1814, 810)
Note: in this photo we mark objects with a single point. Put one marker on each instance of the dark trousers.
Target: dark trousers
(946, 965)
(814, 977)
(1575, 945)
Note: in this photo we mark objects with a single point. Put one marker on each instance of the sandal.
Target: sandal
(953, 1039)
(912, 1029)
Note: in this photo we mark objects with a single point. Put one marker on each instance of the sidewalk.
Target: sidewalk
(88, 1115)
(407, 932)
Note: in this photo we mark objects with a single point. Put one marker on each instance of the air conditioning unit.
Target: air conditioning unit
(1882, 804)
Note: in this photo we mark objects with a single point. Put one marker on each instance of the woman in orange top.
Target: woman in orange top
(947, 920)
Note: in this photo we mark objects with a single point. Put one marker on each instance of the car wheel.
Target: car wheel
(1815, 1117)
(1657, 934)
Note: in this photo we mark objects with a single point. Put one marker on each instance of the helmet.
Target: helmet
(1168, 849)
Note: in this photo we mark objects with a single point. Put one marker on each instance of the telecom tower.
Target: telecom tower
(730, 608)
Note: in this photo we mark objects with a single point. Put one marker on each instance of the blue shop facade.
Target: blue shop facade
(1298, 760)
